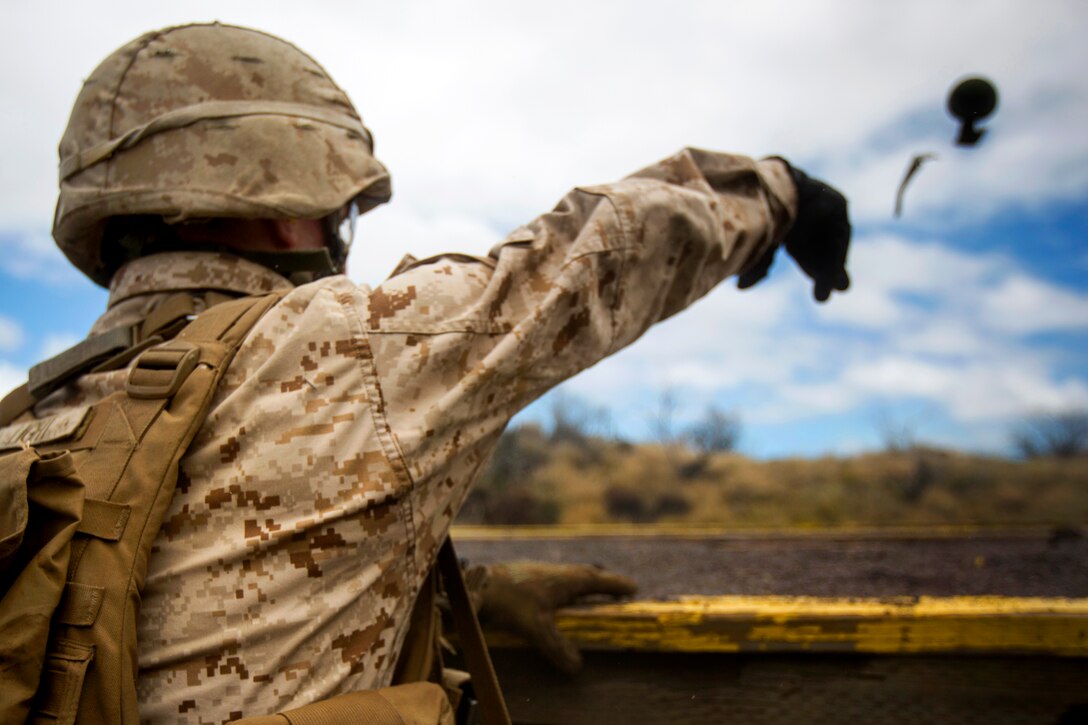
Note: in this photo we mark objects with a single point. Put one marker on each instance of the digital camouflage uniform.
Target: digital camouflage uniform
(352, 422)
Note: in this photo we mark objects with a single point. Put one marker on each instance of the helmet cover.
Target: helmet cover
(207, 121)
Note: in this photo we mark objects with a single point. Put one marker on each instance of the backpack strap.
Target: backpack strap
(99, 351)
(109, 350)
(15, 403)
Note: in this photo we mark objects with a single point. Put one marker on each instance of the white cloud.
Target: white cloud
(385, 236)
(944, 338)
(487, 112)
(922, 322)
(11, 334)
(492, 109)
(31, 254)
(1021, 304)
(11, 377)
(973, 392)
(953, 292)
(57, 343)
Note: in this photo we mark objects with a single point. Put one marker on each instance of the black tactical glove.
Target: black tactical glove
(818, 240)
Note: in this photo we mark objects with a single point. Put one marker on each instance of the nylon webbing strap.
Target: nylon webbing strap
(300, 260)
(484, 680)
(104, 520)
(80, 605)
(45, 376)
(110, 346)
(172, 313)
(211, 110)
(15, 403)
(59, 696)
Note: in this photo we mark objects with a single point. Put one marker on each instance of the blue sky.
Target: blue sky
(967, 314)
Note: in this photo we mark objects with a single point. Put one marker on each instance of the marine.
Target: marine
(213, 165)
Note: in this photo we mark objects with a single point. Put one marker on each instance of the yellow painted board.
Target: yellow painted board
(698, 531)
(1043, 626)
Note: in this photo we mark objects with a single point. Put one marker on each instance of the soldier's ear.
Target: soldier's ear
(295, 234)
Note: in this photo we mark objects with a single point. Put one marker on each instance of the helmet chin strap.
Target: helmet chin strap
(144, 236)
(301, 266)
(298, 266)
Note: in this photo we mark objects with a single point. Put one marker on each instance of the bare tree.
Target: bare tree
(1057, 435)
(690, 449)
(898, 431)
(717, 432)
(662, 421)
(575, 420)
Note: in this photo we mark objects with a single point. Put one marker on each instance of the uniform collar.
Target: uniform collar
(177, 271)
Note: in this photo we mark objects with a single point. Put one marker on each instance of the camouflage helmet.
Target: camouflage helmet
(206, 121)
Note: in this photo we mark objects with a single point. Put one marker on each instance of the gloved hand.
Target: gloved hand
(522, 596)
(818, 240)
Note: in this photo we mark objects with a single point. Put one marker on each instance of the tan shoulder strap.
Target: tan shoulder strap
(99, 351)
(15, 403)
(106, 351)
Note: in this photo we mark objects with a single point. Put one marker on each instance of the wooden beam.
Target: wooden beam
(464, 532)
(653, 688)
(995, 625)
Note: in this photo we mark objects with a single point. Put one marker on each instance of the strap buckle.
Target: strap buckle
(160, 371)
(47, 376)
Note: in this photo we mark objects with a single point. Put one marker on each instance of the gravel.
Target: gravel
(1054, 565)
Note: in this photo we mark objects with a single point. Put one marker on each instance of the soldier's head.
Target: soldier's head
(212, 135)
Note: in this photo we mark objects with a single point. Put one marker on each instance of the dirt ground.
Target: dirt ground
(1045, 564)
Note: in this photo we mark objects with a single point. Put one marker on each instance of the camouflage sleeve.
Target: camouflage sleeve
(460, 343)
(350, 426)
(691, 221)
(587, 278)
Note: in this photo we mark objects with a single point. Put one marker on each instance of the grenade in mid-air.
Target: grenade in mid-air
(972, 100)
